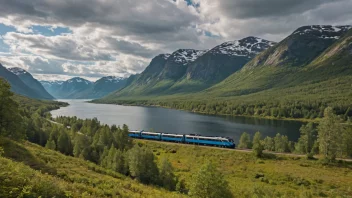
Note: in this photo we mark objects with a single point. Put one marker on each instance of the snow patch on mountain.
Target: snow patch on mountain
(112, 79)
(17, 71)
(249, 46)
(79, 80)
(323, 31)
(185, 56)
(51, 83)
(166, 56)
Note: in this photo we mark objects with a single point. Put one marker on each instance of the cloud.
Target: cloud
(119, 37)
(244, 9)
(67, 47)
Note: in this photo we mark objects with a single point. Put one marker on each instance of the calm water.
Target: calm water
(175, 121)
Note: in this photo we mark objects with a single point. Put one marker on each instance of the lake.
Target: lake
(176, 121)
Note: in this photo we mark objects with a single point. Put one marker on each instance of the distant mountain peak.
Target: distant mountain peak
(113, 79)
(185, 56)
(249, 47)
(17, 70)
(323, 31)
(78, 80)
(51, 83)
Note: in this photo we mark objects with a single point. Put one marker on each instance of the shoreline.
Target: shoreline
(303, 120)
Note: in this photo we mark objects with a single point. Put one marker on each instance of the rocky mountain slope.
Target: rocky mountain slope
(310, 55)
(31, 82)
(20, 87)
(225, 59)
(189, 70)
(301, 47)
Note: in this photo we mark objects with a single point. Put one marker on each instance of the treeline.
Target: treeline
(331, 138)
(309, 109)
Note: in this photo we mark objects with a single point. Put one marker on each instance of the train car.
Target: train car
(172, 137)
(151, 135)
(210, 141)
(135, 134)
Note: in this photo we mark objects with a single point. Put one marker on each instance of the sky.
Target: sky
(58, 40)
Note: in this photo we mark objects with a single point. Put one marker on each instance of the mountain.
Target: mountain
(276, 66)
(101, 88)
(177, 63)
(18, 86)
(299, 77)
(301, 47)
(189, 70)
(225, 59)
(52, 86)
(31, 82)
(79, 88)
(67, 89)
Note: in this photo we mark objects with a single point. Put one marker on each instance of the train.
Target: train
(224, 142)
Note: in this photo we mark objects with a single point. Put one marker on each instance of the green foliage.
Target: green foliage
(115, 160)
(64, 143)
(142, 165)
(50, 144)
(1, 151)
(257, 145)
(73, 177)
(281, 143)
(330, 135)
(269, 144)
(181, 187)
(307, 139)
(11, 124)
(167, 176)
(208, 182)
(245, 141)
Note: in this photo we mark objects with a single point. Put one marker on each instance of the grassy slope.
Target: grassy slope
(288, 176)
(29, 167)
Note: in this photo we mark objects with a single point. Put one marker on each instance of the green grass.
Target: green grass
(275, 176)
(28, 169)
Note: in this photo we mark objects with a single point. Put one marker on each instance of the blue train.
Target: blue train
(186, 139)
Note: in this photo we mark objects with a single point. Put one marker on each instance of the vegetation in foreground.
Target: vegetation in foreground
(249, 176)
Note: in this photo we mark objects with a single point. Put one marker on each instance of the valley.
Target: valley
(296, 78)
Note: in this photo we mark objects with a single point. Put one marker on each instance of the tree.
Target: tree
(208, 182)
(50, 144)
(281, 143)
(122, 139)
(330, 135)
(306, 141)
(142, 165)
(245, 141)
(64, 143)
(181, 186)
(257, 145)
(167, 176)
(269, 144)
(11, 123)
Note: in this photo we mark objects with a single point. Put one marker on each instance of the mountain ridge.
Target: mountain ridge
(187, 70)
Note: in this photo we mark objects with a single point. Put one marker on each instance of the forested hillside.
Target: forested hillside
(297, 78)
